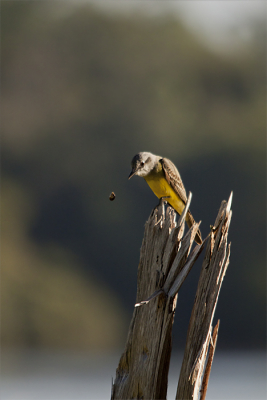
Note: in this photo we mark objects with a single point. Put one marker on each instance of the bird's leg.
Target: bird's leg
(162, 199)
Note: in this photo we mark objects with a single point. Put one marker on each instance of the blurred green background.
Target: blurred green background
(83, 91)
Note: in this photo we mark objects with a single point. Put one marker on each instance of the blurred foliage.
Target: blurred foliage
(45, 298)
(81, 94)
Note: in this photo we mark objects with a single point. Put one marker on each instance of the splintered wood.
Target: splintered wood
(200, 326)
(165, 261)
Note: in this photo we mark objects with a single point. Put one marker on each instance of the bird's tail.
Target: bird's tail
(190, 221)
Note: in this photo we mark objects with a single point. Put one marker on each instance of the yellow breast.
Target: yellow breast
(159, 185)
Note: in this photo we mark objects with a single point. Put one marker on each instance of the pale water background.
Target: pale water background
(31, 375)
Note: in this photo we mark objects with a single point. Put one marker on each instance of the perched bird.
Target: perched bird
(165, 181)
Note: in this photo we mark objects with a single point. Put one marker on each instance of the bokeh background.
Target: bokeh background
(85, 86)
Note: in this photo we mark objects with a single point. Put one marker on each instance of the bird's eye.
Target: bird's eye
(142, 163)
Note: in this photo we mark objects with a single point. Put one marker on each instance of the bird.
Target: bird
(164, 180)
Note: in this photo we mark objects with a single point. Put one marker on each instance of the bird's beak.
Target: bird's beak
(132, 173)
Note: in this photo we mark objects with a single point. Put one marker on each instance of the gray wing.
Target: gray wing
(173, 178)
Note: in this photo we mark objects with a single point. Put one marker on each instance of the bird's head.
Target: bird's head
(143, 163)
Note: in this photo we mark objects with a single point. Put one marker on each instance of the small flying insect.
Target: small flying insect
(112, 196)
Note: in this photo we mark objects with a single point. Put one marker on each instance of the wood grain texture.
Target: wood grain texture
(199, 331)
(142, 372)
(166, 258)
(205, 380)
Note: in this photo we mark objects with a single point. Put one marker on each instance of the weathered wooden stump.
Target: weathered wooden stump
(166, 259)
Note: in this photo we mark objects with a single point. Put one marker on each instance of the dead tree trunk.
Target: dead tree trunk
(165, 262)
(199, 333)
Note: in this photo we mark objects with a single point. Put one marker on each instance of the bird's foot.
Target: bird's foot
(162, 199)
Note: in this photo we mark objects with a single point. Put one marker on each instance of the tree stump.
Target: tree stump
(166, 258)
